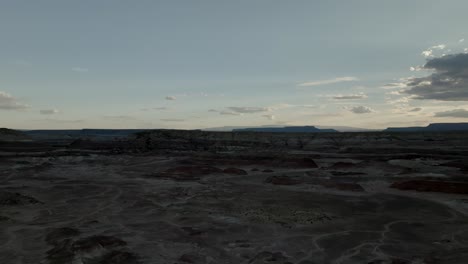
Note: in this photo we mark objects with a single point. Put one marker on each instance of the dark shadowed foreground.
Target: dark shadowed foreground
(198, 197)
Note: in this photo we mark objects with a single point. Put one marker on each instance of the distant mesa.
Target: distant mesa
(288, 129)
(437, 127)
(12, 135)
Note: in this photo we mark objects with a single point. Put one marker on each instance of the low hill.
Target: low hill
(289, 129)
(436, 127)
(7, 134)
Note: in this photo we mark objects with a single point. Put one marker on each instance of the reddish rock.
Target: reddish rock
(342, 165)
(235, 171)
(432, 186)
(283, 180)
(303, 163)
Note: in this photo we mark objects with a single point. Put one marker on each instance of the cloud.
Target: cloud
(270, 117)
(172, 120)
(48, 111)
(230, 113)
(61, 121)
(397, 85)
(248, 110)
(171, 98)
(361, 110)
(448, 82)
(461, 40)
(154, 108)
(350, 96)
(416, 109)
(330, 81)
(458, 113)
(213, 110)
(79, 69)
(430, 51)
(8, 102)
(416, 68)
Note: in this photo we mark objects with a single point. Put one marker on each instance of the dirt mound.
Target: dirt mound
(342, 186)
(12, 135)
(432, 186)
(300, 162)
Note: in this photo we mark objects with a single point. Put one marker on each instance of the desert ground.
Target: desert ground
(193, 197)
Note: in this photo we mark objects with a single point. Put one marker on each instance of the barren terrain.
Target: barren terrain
(332, 198)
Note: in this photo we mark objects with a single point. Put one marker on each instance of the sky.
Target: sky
(213, 63)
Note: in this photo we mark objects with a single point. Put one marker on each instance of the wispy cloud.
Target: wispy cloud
(79, 69)
(270, 117)
(172, 120)
(229, 113)
(120, 117)
(171, 98)
(248, 110)
(457, 113)
(350, 97)
(62, 121)
(8, 102)
(329, 81)
(48, 111)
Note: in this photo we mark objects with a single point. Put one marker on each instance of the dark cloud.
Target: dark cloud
(416, 109)
(448, 82)
(361, 110)
(459, 113)
(8, 102)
